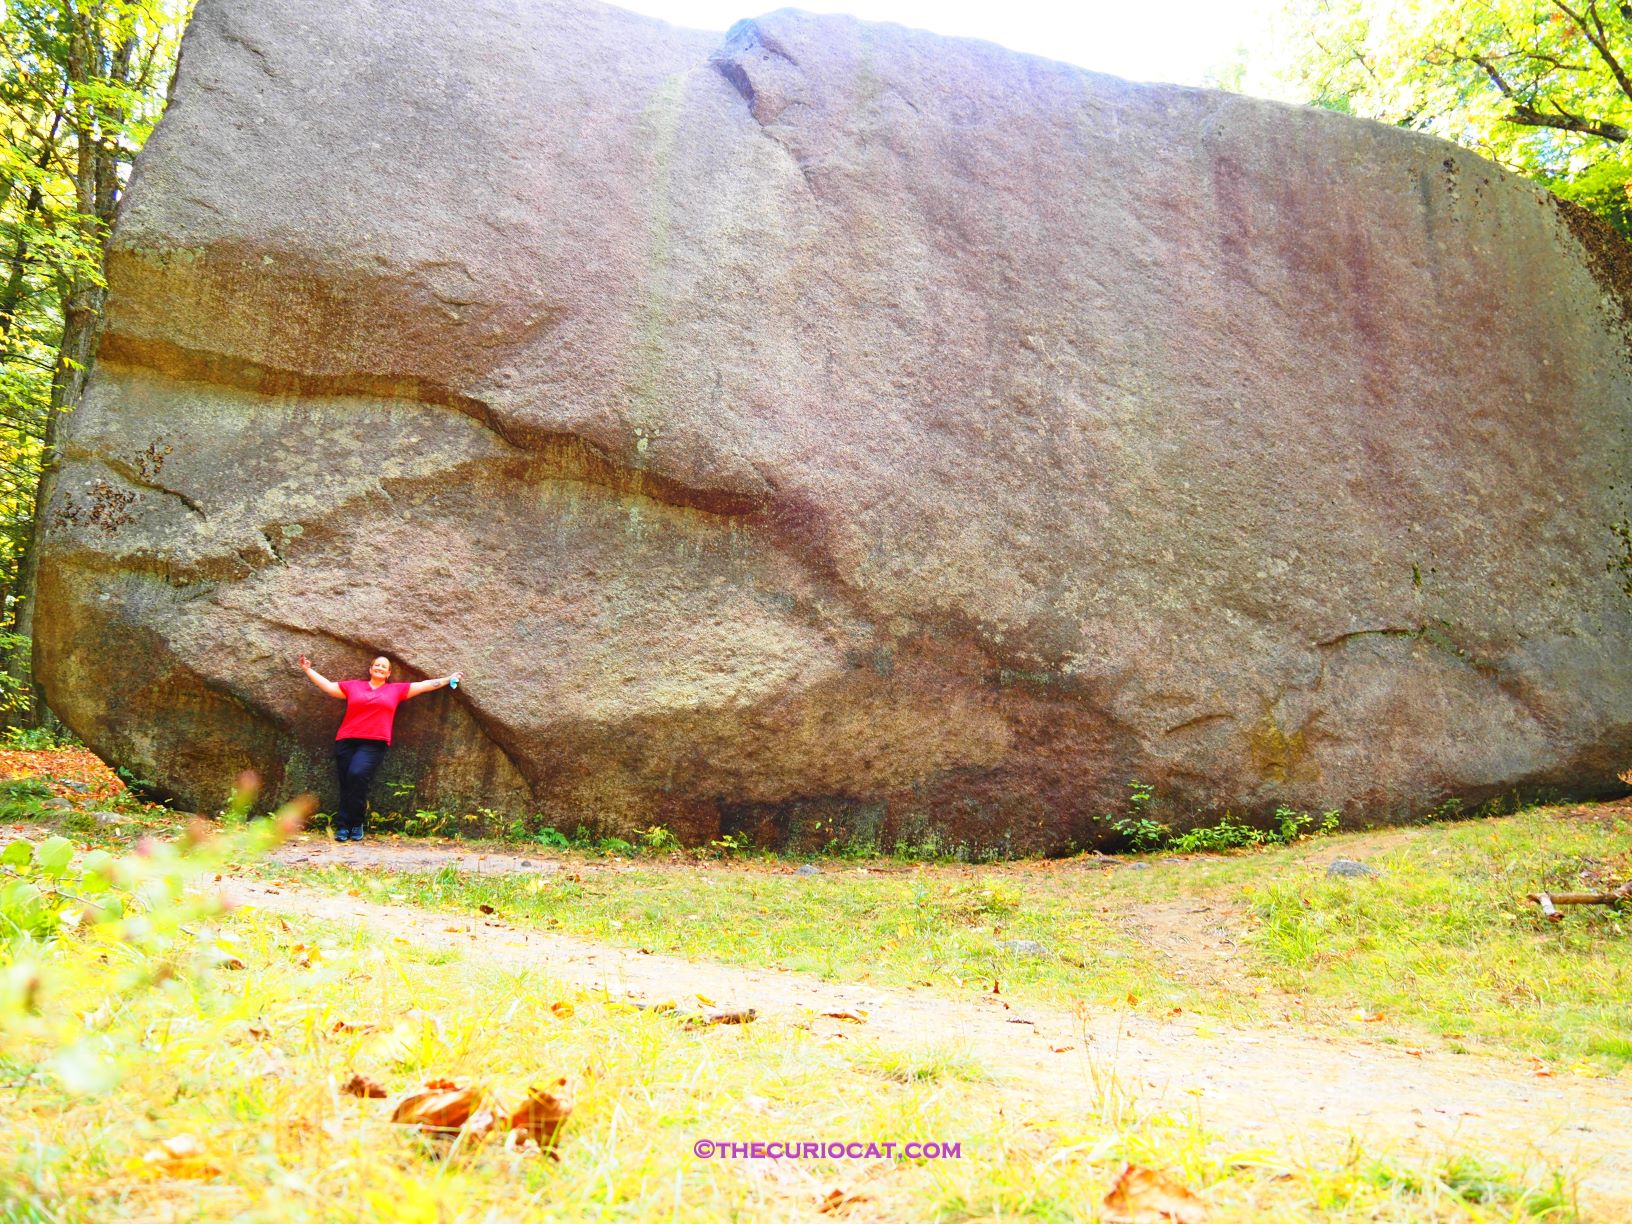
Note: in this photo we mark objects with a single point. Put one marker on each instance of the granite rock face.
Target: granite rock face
(832, 427)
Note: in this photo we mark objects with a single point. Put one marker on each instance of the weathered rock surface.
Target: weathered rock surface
(829, 426)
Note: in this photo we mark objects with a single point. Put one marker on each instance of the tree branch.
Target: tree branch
(1528, 116)
(1599, 42)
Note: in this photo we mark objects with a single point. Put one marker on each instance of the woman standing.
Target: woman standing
(365, 733)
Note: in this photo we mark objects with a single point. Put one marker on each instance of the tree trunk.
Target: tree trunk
(81, 324)
(13, 291)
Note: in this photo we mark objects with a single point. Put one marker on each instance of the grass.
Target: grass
(941, 927)
(248, 1065)
(1440, 945)
(1445, 939)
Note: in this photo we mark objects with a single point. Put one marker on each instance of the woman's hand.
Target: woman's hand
(305, 663)
(426, 686)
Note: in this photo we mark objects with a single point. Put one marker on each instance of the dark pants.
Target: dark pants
(358, 760)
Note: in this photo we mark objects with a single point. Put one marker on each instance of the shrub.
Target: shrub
(659, 840)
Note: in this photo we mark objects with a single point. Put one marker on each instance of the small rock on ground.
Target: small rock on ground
(1023, 947)
(1349, 869)
(809, 869)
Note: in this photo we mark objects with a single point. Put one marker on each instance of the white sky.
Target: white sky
(1176, 40)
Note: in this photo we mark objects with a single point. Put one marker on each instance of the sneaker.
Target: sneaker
(342, 835)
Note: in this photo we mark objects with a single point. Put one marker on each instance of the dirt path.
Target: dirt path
(1274, 1084)
(411, 856)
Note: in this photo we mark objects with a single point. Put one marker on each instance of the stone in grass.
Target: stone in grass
(107, 818)
(1349, 869)
(809, 869)
(1023, 947)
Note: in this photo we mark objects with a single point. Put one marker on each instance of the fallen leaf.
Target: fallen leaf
(440, 1106)
(391, 1046)
(487, 909)
(1413, 1051)
(1062, 1049)
(854, 1017)
(705, 1000)
(362, 1086)
(1149, 1196)
(723, 1015)
(1539, 1068)
(179, 1156)
(561, 1010)
(484, 1121)
(543, 1112)
(352, 1026)
(835, 1201)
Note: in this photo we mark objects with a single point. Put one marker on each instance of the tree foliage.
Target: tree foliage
(81, 84)
(1541, 86)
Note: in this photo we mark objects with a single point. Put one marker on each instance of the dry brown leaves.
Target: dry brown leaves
(362, 1086)
(835, 1201)
(442, 1105)
(55, 765)
(1149, 1196)
(722, 1015)
(543, 1112)
(178, 1156)
(473, 1111)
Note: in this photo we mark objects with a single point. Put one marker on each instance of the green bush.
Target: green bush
(1144, 833)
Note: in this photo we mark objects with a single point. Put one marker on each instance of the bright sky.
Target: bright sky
(1175, 40)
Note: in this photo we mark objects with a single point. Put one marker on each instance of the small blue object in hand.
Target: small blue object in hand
(453, 682)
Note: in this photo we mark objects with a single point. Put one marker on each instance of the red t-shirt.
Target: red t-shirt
(369, 710)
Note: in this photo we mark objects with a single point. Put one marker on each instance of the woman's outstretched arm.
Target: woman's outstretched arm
(327, 685)
(425, 686)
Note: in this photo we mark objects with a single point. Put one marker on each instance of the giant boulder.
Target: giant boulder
(833, 428)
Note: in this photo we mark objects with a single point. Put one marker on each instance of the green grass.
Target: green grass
(1445, 939)
(1441, 945)
(940, 927)
(248, 1064)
